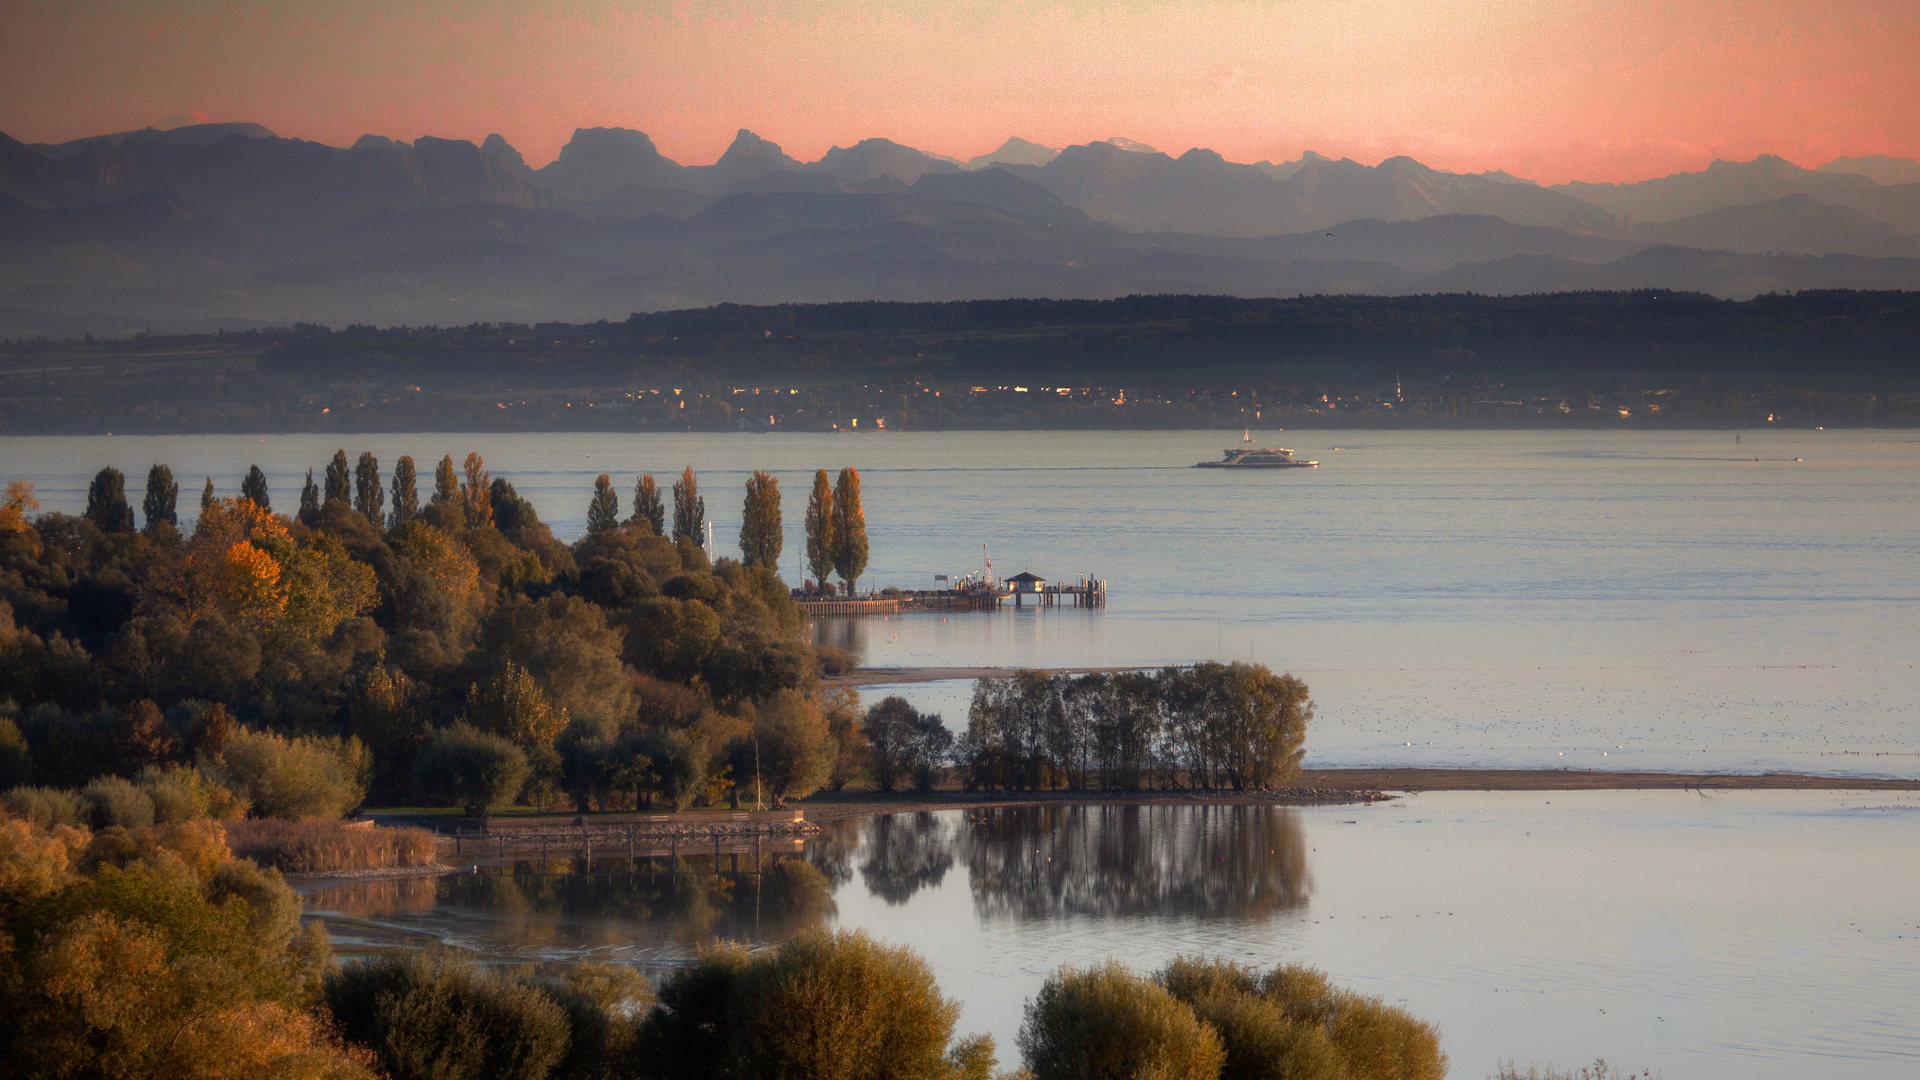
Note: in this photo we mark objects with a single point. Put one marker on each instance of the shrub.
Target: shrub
(824, 1006)
(320, 845)
(435, 1015)
(1292, 1022)
(46, 807)
(464, 766)
(1106, 1023)
(112, 800)
(292, 778)
(183, 794)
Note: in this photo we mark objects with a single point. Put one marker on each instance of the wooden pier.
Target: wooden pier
(1087, 593)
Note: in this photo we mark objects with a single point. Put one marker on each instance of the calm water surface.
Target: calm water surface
(1750, 934)
(1647, 600)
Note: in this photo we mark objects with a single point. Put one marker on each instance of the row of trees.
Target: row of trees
(1208, 726)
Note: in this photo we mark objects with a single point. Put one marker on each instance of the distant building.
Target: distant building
(1025, 582)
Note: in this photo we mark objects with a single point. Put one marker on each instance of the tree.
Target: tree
(825, 1005)
(436, 1015)
(302, 776)
(107, 502)
(647, 505)
(446, 483)
(849, 528)
(473, 769)
(369, 497)
(477, 492)
(255, 487)
(406, 494)
(1108, 1022)
(820, 536)
(796, 750)
(603, 512)
(162, 494)
(904, 743)
(309, 502)
(761, 536)
(512, 707)
(689, 509)
(339, 486)
(13, 513)
(206, 494)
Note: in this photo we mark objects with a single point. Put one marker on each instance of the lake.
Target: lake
(1699, 601)
(1742, 934)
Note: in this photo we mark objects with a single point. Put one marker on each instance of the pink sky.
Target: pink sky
(1549, 89)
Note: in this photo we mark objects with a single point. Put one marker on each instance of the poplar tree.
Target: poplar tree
(162, 496)
(820, 527)
(849, 528)
(254, 487)
(339, 479)
(406, 493)
(206, 494)
(603, 513)
(647, 505)
(107, 501)
(369, 497)
(689, 509)
(478, 491)
(310, 501)
(761, 535)
(446, 483)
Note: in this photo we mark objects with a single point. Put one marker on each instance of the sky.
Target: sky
(1552, 90)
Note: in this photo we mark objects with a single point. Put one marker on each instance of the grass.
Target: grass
(322, 845)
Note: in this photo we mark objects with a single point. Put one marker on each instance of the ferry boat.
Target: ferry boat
(1272, 457)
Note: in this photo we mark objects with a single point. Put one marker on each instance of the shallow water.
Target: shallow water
(1746, 934)
(1669, 600)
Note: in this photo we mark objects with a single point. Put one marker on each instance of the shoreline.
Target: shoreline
(891, 676)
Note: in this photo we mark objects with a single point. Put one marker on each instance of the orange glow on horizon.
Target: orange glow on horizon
(1553, 90)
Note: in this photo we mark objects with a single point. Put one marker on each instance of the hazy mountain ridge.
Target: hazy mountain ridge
(232, 220)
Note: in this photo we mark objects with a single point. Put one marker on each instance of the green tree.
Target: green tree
(820, 535)
(796, 749)
(647, 505)
(1106, 1023)
(107, 502)
(310, 502)
(761, 536)
(689, 509)
(435, 1015)
(477, 491)
(903, 743)
(512, 706)
(826, 1005)
(206, 494)
(339, 485)
(302, 776)
(849, 528)
(603, 512)
(254, 487)
(463, 766)
(406, 493)
(369, 496)
(162, 495)
(446, 482)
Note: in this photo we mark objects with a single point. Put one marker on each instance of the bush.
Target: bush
(112, 800)
(183, 794)
(1292, 1022)
(464, 766)
(1106, 1023)
(44, 808)
(320, 845)
(824, 1006)
(435, 1015)
(292, 778)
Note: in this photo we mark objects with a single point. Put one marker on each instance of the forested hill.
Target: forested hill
(1139, 361)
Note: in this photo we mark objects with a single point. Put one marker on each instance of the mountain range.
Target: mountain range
(230, 224)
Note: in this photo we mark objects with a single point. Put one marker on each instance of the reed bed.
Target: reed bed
(325, 845)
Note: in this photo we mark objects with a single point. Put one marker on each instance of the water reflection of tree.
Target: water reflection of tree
(906, 853)
(1188, 861)
(766, 899)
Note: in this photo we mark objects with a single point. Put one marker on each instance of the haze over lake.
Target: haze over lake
(1697, 601)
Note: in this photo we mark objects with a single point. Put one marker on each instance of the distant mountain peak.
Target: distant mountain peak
(1131, 145)
(1015, 151)
(505, 156)
(749, 154)
(1879, 168)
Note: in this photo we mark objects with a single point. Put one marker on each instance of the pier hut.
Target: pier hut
(1025, 584)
